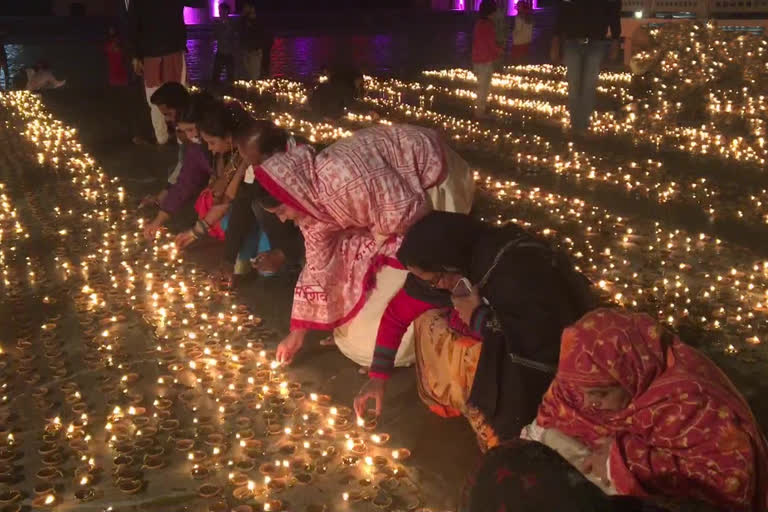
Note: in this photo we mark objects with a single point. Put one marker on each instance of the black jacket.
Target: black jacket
(593, 19)
(245, 212)
(533, 293)
(156, 27)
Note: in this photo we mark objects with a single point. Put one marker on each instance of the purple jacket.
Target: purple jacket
(194, 175)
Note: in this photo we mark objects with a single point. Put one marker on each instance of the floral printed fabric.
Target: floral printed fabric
(360, 195)
(686, 432)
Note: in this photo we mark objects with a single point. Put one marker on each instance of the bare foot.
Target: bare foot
(328, 341)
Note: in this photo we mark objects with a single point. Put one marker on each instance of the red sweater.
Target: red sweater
(400, 313)
(484, 47)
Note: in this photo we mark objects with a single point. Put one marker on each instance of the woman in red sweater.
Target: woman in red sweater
(485, 51)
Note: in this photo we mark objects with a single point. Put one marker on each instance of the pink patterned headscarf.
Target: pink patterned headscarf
(360, 196)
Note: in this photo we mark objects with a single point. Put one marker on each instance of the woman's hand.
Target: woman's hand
(467, 305)
(151, 229)
(149, 200)
(597, 462)
(270, 261)
(184, 238)
(290, 346)
(138, 66)
(372, 390)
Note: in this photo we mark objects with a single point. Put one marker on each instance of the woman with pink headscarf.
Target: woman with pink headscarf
(353, 202)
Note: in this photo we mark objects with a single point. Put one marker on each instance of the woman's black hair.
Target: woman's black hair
(197, 108)
(172, 95)
(271, 138)
(224, 119)
(486, 8)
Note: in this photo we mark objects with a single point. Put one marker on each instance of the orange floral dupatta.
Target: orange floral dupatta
(687, 431)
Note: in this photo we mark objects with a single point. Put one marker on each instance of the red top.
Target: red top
(401, 311)
(484, 47)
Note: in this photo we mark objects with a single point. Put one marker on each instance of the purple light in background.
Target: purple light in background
(458, 5)
(193, 16)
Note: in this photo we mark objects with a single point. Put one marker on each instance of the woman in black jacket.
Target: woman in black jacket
(493, 354)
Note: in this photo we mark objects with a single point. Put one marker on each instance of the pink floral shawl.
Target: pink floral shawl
(361, 195)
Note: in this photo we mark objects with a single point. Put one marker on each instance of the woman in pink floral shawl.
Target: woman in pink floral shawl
(353, 202)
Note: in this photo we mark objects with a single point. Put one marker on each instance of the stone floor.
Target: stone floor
(443, 450)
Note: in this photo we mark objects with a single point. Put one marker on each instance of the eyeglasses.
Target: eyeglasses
(435, 281)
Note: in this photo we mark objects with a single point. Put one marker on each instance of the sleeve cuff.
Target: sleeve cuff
(479, 318)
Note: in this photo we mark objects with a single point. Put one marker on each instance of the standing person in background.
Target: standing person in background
(501, 25)
(156, 42)
(522, 33)
(485, 51)
(225, 29)
(252, 41)
(581, 29)
(118, 75)
(4, 60)
(266, 60)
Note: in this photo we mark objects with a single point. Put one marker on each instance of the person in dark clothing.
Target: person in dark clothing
(258, 140)
(253, 42)
(156, 41)
(225, 29)
(4, 60)
(195, 170)
(331, 98)
(581, 29)
(494, 355)
(525, 476)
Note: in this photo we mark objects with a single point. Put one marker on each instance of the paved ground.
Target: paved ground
(443, 449)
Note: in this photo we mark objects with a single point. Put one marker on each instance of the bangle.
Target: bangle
(201, 227)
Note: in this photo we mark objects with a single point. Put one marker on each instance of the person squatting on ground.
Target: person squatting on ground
(353, 202)
(581, 30)
(525, 476)
(485, 52)
(642, 413)
(489, 305)
(256, 141)
(213, 205)
(156, 40)
(185, 111)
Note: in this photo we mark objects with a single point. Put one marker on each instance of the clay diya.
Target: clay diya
(169, 425)
(239, 479)
(48, 473)
(43, 488)
(200, 473)
(184, 445)
(382, 501)
(401, 454)
(242, 493)
(47, 500)
(8, 496)
(130, 486)
(151, 462)
(208, 490)
(273, 506)
(219, 506)
(85, 495)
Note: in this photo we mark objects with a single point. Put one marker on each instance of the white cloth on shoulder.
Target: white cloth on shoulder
(572, 450)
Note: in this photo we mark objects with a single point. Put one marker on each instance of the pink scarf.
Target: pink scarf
(360, 195)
